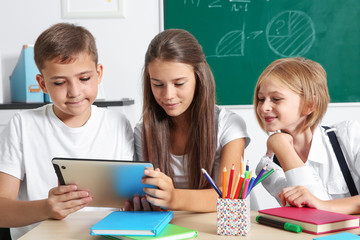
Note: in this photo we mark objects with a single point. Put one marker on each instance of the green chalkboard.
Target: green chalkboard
(241, 37)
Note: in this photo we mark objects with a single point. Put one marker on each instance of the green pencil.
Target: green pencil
(265, 176)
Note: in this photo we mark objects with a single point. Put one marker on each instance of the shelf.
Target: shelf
(122, 102)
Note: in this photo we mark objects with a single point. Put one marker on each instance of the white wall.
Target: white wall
(121, 42)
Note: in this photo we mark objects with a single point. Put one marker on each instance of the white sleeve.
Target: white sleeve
(231, 126)
(11, 159)
(128, 140)
(276, 181)
(307, 176)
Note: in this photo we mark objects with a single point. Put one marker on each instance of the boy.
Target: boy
(71, 126)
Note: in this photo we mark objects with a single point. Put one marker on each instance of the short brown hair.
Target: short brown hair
(306, 78)
(63, 41)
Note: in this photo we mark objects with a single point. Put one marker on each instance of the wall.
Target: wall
(121, 42)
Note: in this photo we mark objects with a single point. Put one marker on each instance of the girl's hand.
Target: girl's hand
(164, 194)
(300, 196)
(64, 200)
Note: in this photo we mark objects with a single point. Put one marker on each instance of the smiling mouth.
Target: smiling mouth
(269, 119)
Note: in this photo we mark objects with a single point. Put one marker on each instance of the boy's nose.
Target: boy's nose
(73, 90)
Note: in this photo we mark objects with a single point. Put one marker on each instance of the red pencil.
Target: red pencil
(230, 181)
(239, 186)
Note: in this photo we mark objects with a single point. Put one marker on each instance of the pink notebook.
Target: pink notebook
(313, 220)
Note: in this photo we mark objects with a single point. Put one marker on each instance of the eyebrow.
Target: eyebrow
(176, 79)
(76, 75)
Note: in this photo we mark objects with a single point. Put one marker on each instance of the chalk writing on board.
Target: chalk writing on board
(290, 33)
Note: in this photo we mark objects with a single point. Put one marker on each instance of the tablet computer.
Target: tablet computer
(109, 182)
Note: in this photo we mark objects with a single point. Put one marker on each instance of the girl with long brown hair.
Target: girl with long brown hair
(182, 130)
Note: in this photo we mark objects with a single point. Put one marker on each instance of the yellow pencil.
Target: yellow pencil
(235, 187)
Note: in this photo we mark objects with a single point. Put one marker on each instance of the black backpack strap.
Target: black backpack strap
(341, 160)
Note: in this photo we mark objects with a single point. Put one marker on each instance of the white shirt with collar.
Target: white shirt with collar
(321, 174)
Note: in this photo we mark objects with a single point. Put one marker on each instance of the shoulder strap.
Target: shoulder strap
(341, 160)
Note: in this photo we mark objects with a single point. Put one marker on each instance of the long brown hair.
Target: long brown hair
(178, 45)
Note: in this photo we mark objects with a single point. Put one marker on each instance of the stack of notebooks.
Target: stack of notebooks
(141, 225)
(312, 220)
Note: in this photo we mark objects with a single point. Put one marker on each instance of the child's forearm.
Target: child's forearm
(15, 213)
(350, 205)
(203, 200)
(284, 152)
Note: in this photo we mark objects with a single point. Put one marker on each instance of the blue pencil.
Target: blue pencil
(260, 174)
(212, 182)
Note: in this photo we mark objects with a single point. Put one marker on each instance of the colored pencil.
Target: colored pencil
(224, 183)
(236, 186)
(246, 185)
(213, 184)
(265, 176)
(238, 189)
(228, 195)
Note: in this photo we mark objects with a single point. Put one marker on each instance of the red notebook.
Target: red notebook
(312, 220)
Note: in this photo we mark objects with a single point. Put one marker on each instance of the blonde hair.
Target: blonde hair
(306, 78)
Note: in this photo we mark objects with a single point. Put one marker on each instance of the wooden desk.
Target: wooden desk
(76, 226)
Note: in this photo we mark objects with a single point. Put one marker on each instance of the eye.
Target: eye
(179, 84)
(156, 84)
(58, 83)
(261, 99)
(277, 99)
(85, 78)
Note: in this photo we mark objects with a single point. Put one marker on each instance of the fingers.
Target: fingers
(158, 179)
(64, 200)
(145, 204)
(128, 206)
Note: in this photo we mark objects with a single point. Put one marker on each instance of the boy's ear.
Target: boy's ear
(41, 82)
(99, 70)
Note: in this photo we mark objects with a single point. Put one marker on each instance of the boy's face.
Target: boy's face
(72, 87)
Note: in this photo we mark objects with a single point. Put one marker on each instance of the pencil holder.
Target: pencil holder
(233, 216)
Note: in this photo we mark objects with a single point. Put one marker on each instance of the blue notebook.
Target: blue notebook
(132, 223)
(339, 236)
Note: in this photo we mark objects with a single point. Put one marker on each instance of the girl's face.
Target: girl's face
(279, 108)
(173, 85)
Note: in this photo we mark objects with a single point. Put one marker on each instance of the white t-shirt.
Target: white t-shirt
(321, 174)
(230, 126)
(33, 137)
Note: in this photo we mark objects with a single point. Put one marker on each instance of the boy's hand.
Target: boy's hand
(66, 199)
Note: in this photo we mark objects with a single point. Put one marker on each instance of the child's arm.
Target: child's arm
(281, 144)
(62, 201)
(300, 196)
(197, 200)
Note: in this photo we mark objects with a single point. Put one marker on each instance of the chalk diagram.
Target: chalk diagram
(290, 33)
